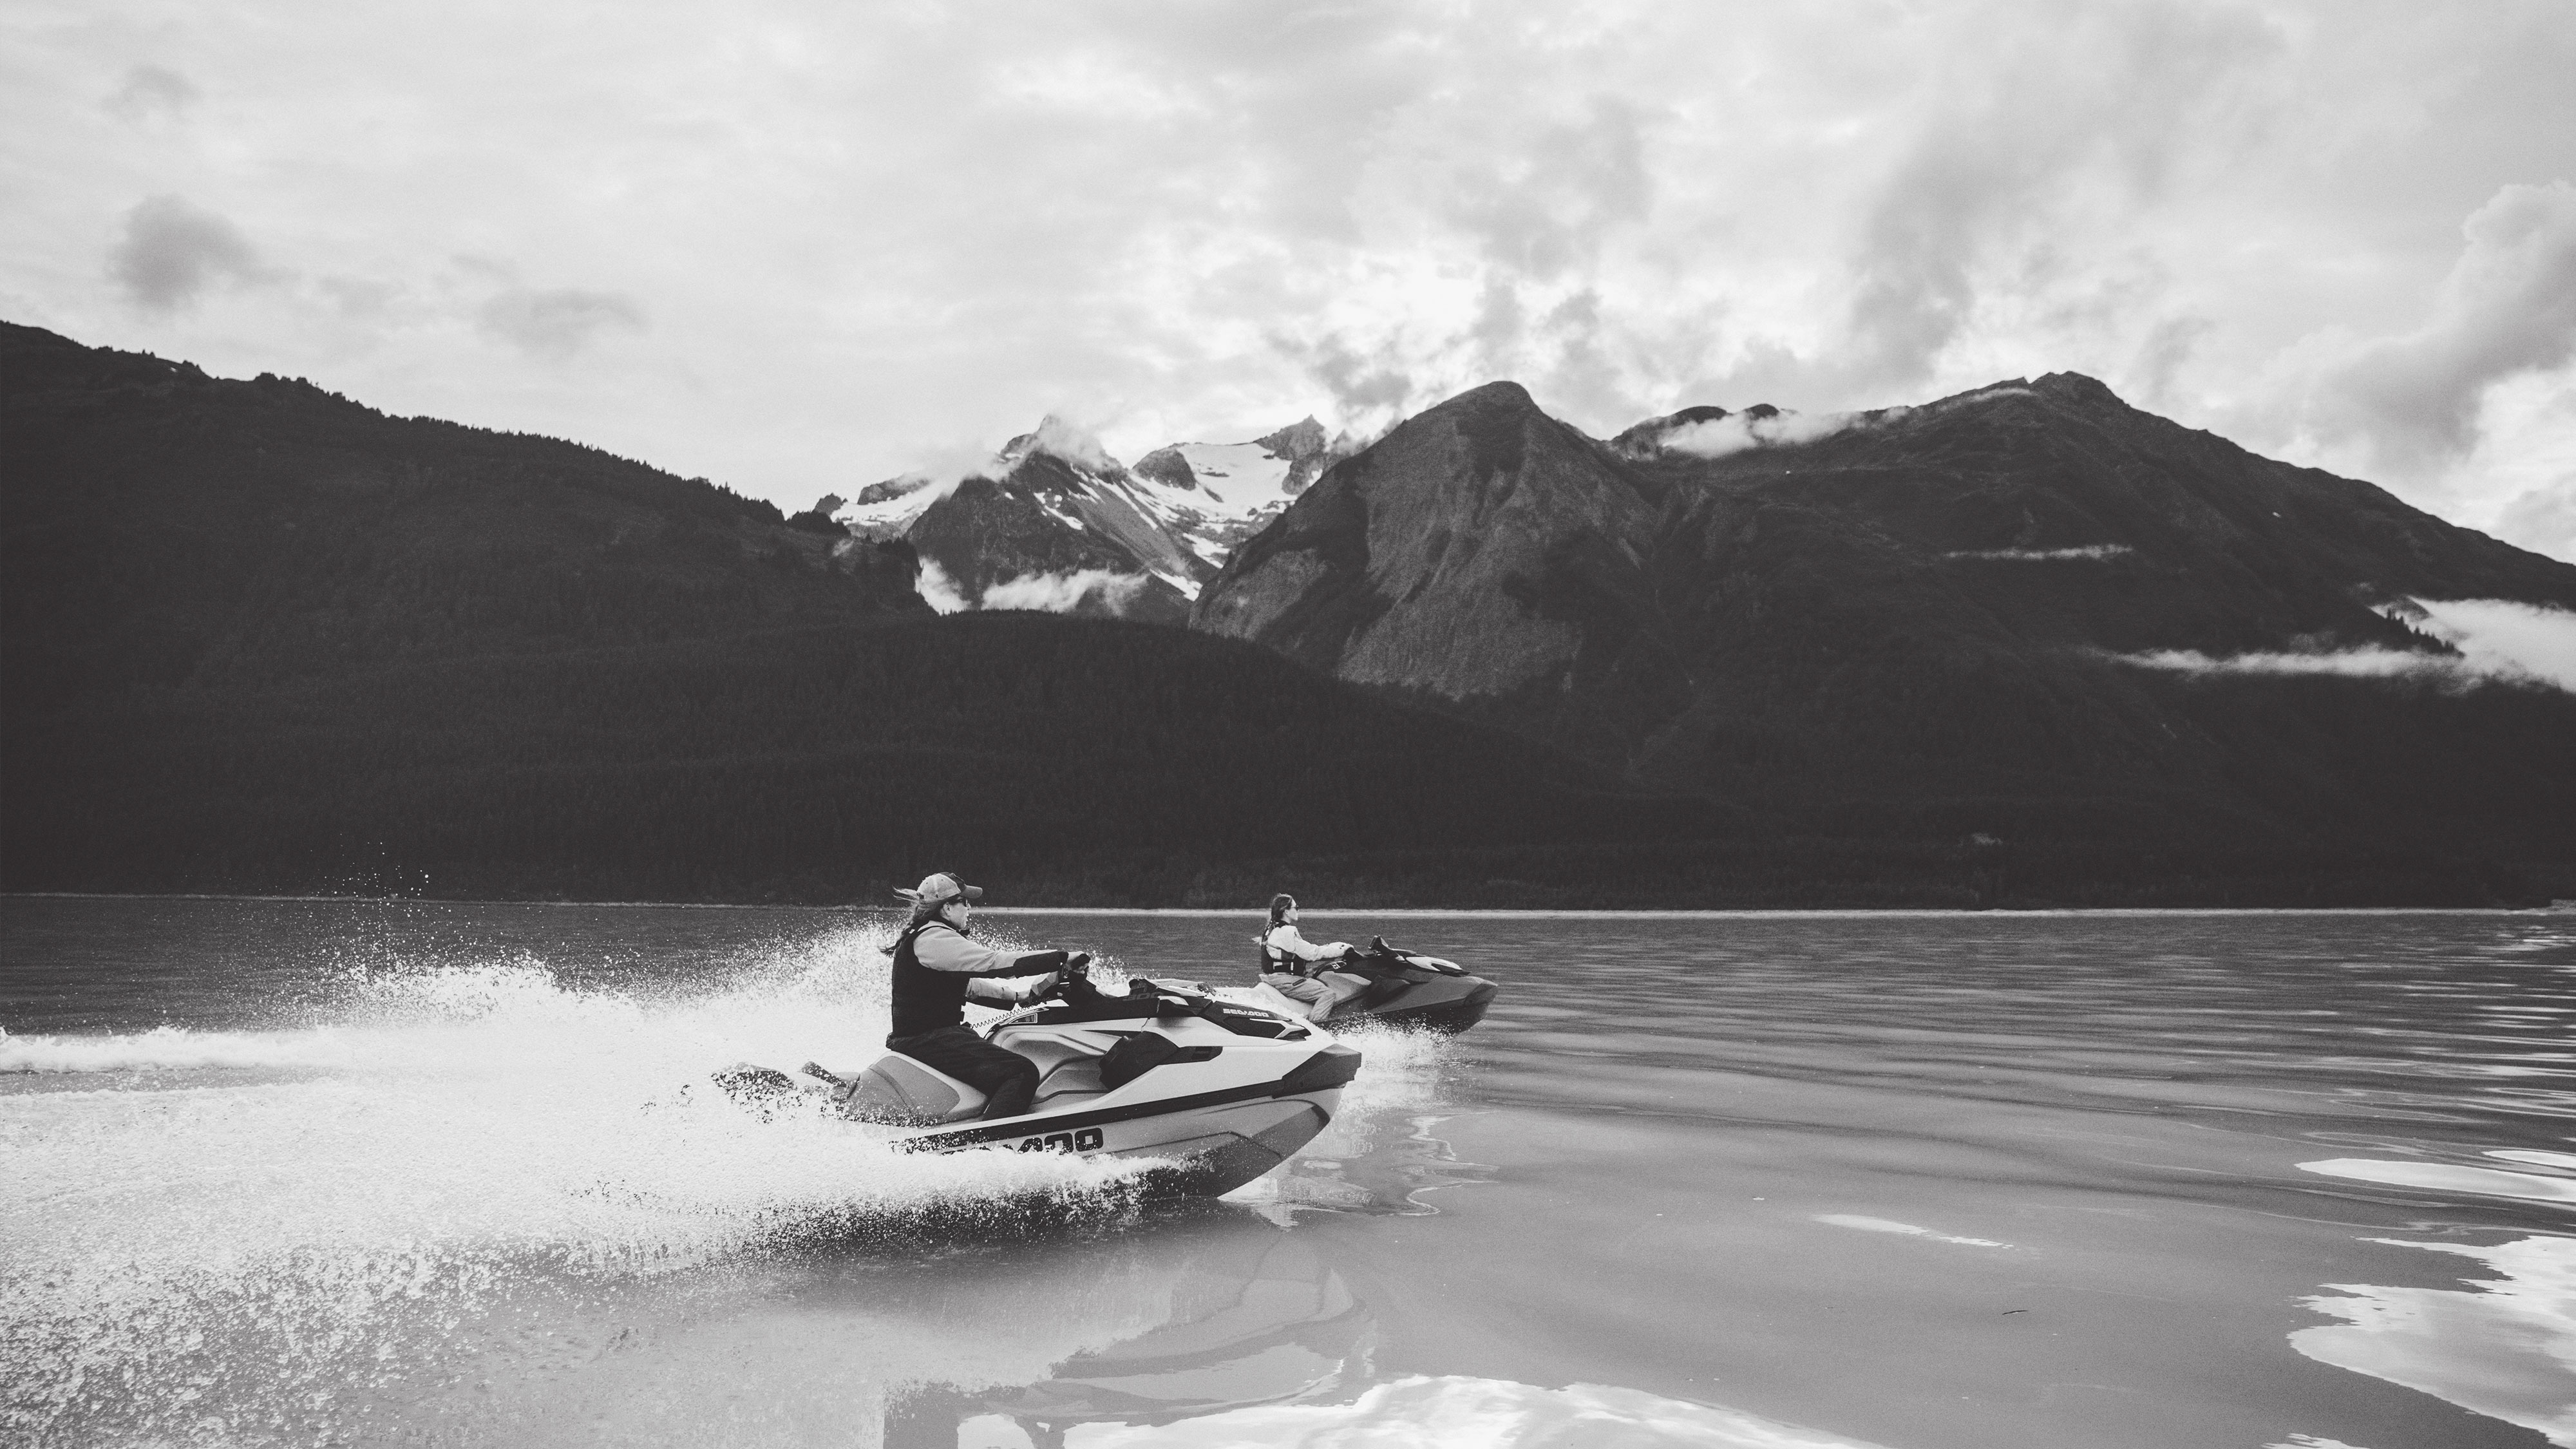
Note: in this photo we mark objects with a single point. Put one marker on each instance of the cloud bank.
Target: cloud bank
(2507, 307)
(859, 234)
(2499, 642)
(173, 252)
(1737, 432)
(557, 324)
(2504, 638)
(151, 92)
(939, 590)
(1063, 593)
(2094, 552)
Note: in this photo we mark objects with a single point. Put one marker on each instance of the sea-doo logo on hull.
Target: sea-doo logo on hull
(1082, 1141)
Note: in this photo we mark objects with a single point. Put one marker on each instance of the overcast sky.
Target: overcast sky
(798, 248)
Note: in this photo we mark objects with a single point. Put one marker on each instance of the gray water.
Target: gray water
(369, 1173)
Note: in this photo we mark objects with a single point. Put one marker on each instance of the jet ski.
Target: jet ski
(1405, 989)
(1219, 1091)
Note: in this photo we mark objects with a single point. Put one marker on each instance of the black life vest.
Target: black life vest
(924, 1000)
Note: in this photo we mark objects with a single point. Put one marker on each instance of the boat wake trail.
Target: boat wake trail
(206, 1229)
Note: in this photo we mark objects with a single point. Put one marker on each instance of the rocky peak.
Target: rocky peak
(1437, 557)
(1168, 466)
(1298, 441)
(2076, 387)
(1055, 438)
(1643, 439)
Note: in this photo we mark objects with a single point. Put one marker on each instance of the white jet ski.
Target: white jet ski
(1222, 1091)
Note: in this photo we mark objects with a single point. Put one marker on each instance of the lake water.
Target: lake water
(278, 1172)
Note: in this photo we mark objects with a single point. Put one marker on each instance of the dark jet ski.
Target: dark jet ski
(1221, 1090)
(1407, 989)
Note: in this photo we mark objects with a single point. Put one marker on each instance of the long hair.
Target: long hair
(1280, 906)
(924, 910)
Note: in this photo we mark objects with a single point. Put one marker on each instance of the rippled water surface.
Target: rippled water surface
(363, 1173)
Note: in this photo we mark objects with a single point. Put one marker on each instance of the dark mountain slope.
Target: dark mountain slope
(1077, 760)
(160, 526)
(1481, 550)
(1914, 617)
(2195, 542)
(258, 637)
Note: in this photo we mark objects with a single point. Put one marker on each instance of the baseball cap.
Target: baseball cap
(938, 886)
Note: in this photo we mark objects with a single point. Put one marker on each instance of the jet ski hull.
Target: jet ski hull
(1448, 1004)
(1410, 989)
(1235, 1093)
(1205, 1144)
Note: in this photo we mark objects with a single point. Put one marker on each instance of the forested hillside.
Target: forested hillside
(160, 527)
(1064, 761)
(1070, 760)
(257, 637)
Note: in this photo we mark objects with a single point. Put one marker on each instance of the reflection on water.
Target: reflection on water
(303, 1173)
(1385, 1153)
(2506, 1346)
(1460, 1413)
(1267, 1345)
(2453, 1177)
(1251, 1321)
(1882, 1225)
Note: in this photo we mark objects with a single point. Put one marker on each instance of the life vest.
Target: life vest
(924, 1000)
(1274, 960)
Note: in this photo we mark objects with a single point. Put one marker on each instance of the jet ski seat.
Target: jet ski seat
(1075, 1077)
(895, 1088)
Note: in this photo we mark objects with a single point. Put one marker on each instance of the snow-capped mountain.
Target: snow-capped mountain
(1219, 494)
(1054, 522)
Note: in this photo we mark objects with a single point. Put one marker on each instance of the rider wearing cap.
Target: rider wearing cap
(936, 968)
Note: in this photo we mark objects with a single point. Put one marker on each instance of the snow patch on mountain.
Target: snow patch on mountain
(1215, 495)
(898, 502)
(1169, 522)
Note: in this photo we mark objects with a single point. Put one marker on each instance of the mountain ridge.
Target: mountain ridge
(1053, 517)
(164, 521)
(260, 637)
(1964, 599)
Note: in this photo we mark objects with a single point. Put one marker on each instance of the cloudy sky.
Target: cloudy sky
(800, 247)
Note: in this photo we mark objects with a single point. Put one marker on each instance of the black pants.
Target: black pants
(1005, 1077)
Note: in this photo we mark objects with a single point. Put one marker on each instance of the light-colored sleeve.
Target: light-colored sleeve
(1287, 938)
(945, 950)
(1011, 990)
